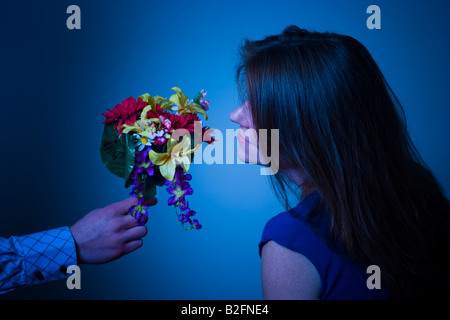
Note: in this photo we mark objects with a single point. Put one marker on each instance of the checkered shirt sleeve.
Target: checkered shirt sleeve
(35, 258)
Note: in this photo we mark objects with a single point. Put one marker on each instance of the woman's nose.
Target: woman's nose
(236, 115)
(241, 116)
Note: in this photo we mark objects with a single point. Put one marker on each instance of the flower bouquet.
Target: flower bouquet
(149, 143)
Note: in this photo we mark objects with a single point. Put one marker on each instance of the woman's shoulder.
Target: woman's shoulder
(297, 234)
(287, 274)
(340, 276)
(294, 230)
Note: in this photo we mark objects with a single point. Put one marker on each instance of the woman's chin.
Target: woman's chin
(248, 154)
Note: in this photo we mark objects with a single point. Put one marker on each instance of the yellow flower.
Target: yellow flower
(153, 101)
(184, 104)
(143, 126)
(177, 153)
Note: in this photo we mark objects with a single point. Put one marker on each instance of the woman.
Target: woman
(367, 198)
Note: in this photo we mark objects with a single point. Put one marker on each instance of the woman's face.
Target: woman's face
(251, 150)
(247, 137)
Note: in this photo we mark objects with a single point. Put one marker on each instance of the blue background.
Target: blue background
(56, 83)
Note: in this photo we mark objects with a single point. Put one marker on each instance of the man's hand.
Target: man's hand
(108, 233)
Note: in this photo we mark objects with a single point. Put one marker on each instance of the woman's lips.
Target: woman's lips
(241, 135)
(241, 138)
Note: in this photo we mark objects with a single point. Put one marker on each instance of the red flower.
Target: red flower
(206, 134)
(185, 121)
(125, 112)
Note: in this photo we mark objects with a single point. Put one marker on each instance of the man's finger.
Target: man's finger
(134, 233)
(132, 245)
(122, 207)
(127, 222)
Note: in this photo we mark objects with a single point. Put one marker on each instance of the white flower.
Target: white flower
(143, 142)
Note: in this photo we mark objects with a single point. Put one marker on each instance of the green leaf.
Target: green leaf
(147, 98)
(157, 178)
(117, 153)
(179, 99)
(158, 99)
(149, 189)
(197, 98)
(129, 145)
(112, 152)
(194, 107)
(166, 105)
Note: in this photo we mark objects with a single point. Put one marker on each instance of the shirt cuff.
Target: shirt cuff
(47, 254)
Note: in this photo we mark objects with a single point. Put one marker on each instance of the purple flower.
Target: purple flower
(141, 156)
(183, 218)
(196, 224)
(179, 187)
(139, 212)
(137, 189)
(179, 190)
(167, 183)
(204, 103)
(179, 174)
(184, 207)
(143, 166)
(146, 167)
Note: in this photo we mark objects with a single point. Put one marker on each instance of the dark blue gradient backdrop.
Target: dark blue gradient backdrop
(57, 82)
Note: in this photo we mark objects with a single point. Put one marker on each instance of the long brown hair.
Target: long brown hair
(342, 125)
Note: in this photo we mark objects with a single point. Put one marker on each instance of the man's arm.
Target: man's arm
(35, 258)
(100, 236)
(108, 233)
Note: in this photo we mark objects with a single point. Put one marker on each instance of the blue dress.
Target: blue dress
(301, 231)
